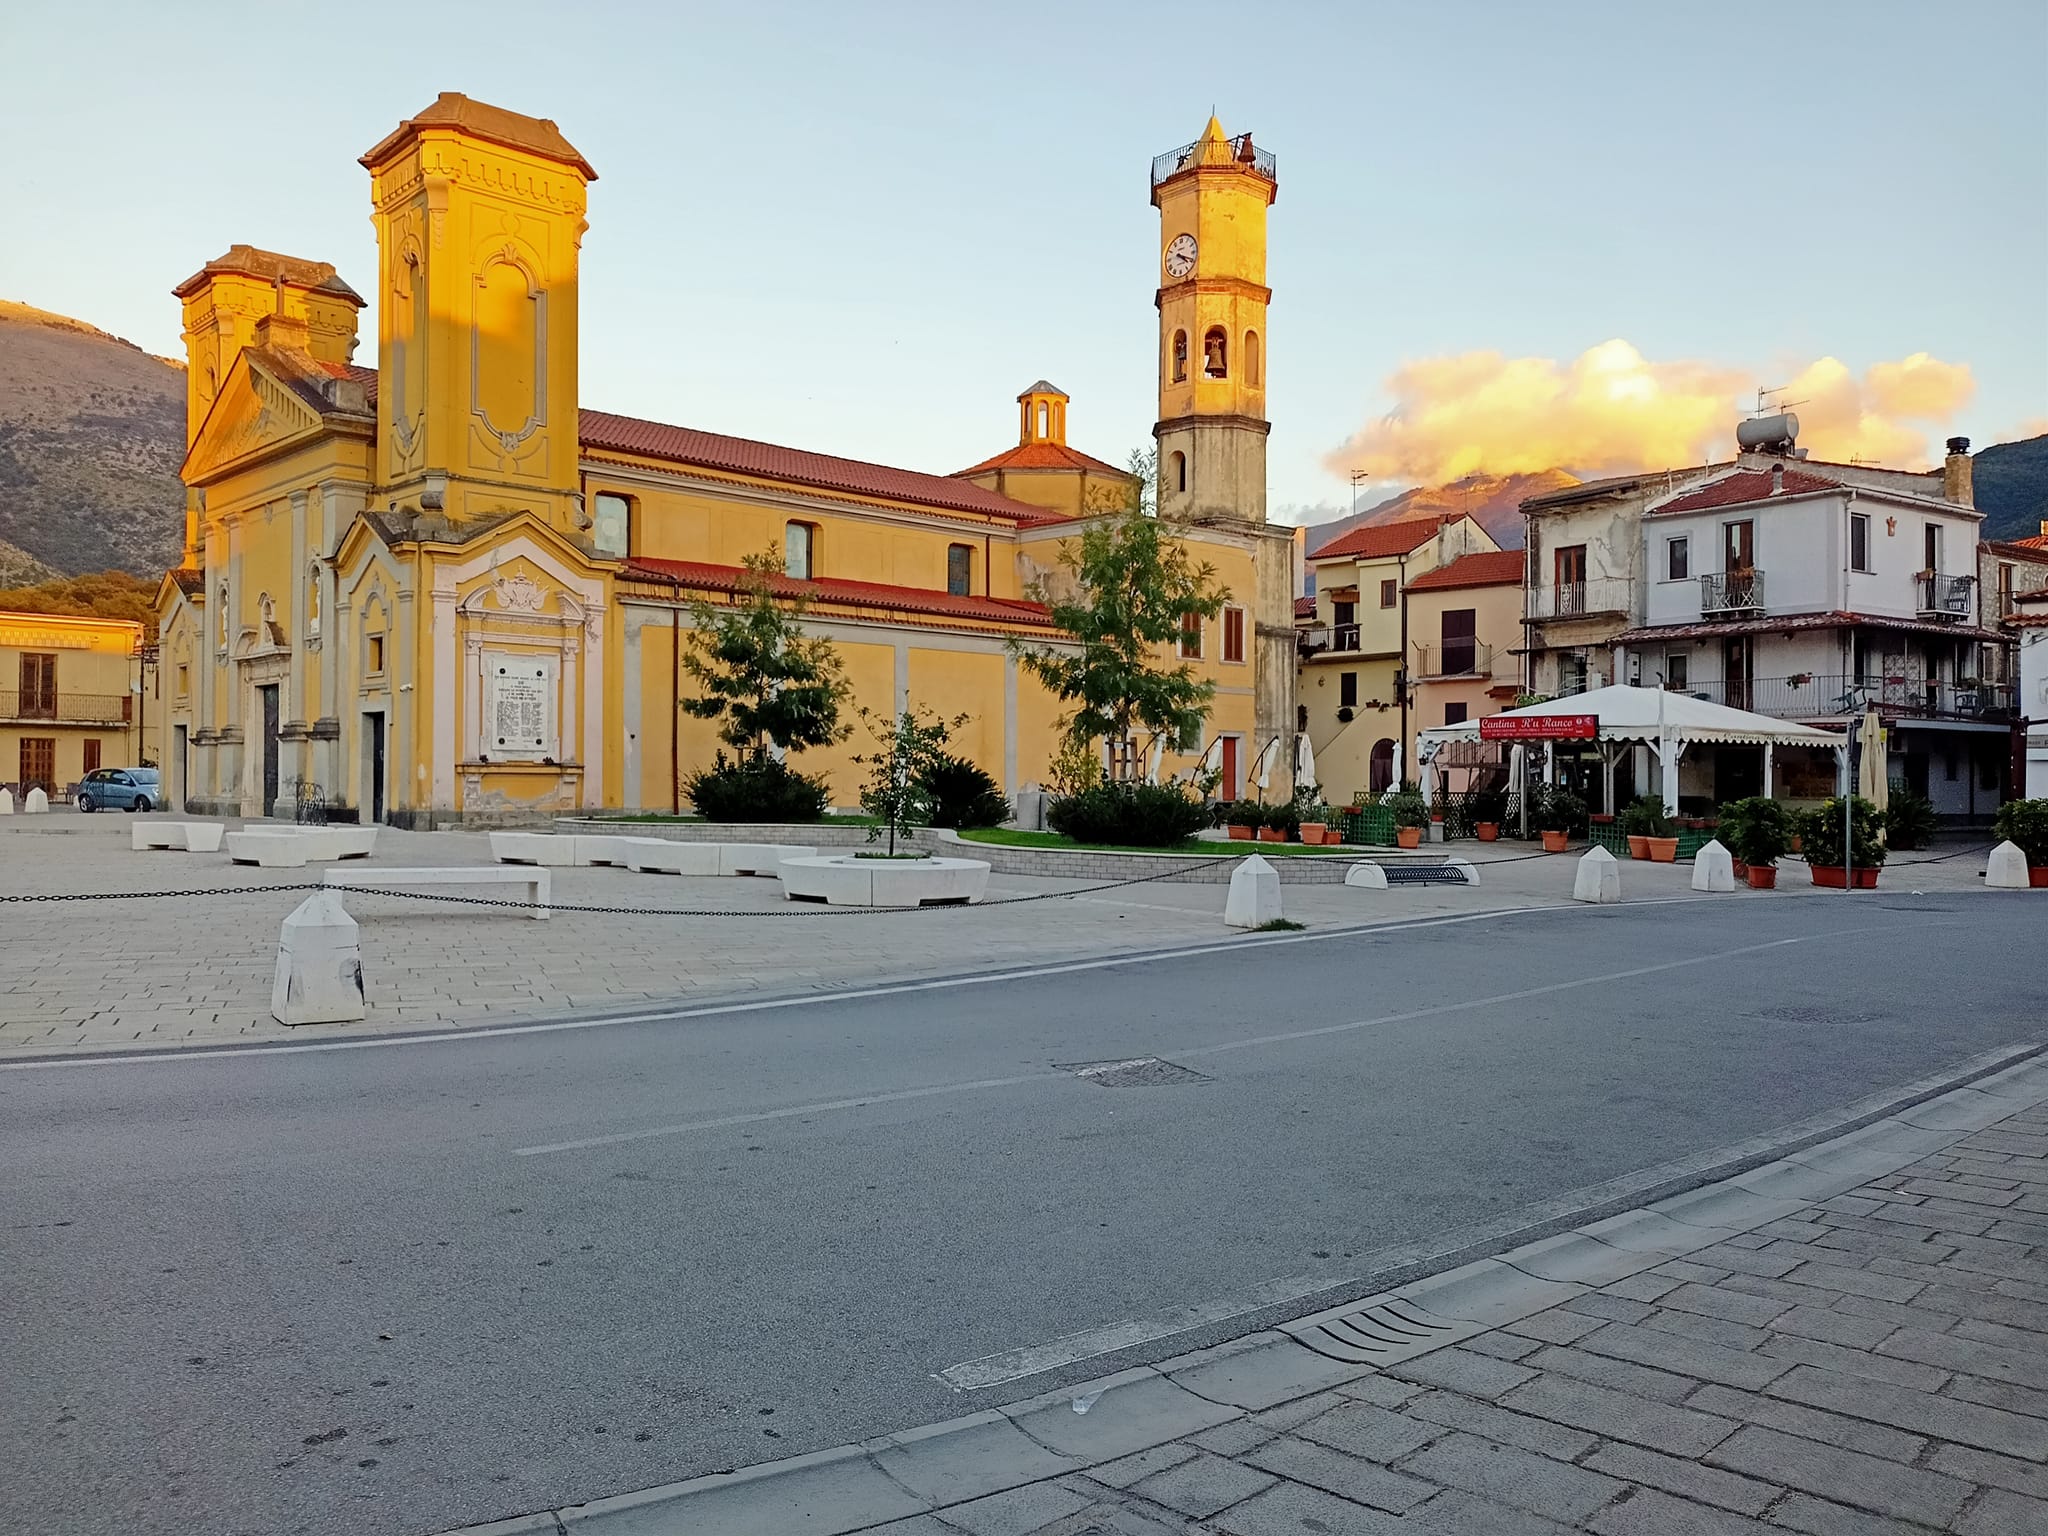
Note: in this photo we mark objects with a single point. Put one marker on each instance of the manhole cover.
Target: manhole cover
(1133, 1072)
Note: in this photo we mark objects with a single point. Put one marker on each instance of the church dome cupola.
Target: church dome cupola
(1044, 414)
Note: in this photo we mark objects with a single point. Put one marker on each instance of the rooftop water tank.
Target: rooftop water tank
(1767, 434)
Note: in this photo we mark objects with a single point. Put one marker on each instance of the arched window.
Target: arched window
(1044, 418)
(1216, 353)
(1180, 357)
(1380, 771)
(1251, 358)
(799, 550)
(222, 597)
(313, 599)
(1178, 467)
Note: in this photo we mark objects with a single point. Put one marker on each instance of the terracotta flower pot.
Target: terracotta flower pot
(1556, 842)
(2037, 876)
(1762, 877)
(1836, 876)
(1313, 832)
(1638, 847)
(1408, 837)
(1663, 850)
(1272, 835)
(1741, 869)
(1487, 831)
(1796, 841)
(1240, 834)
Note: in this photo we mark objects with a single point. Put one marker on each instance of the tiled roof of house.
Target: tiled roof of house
(2033, 547)
(854, 594)
(1747, 486)
(1380, 540)
(1304, 607)
(496, 125)
(1837, 619)
(191, 583)
(1042, 456)
(1486, 568)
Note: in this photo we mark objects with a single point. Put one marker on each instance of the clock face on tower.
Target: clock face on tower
(1180, 256)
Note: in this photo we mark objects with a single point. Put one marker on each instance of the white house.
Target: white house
(2028, 618)
(1814, 591)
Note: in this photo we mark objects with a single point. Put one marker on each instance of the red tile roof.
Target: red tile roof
(2033, 547)
(1837, 619)
(1746, 486)
(1304, 607)
(853, 594)
(1487, 568)
(1042, 456)
(1382, 540)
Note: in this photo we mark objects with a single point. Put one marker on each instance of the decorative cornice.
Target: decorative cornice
(1220, 419)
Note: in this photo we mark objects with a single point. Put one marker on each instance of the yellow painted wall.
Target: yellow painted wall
(95, 667)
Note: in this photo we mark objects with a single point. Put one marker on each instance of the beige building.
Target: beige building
(68, 698)
(1464, 626)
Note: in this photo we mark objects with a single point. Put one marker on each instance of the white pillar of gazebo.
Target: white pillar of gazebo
(1607, 754)
(1767, 770)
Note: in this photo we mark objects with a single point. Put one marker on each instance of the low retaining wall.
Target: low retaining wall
(813, 834)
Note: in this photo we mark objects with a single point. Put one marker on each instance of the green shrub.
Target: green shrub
(1760, 829)
(1557, 809)
(1409, 808)
(962, 794)
(1908, 820)
(1284, 819)
(1645, 816)
(1244, 813)
(1138, 815)
(2024, 823)
(756, 790)
(1820, 833)
(1490, 805)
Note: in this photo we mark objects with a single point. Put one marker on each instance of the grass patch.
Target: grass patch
(823, 821)
(1011, 837)
(1280, 925)
(885, 854)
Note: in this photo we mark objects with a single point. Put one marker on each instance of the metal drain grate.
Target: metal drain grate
(1377, 1332)
(1424, 874)
(1136, 1072)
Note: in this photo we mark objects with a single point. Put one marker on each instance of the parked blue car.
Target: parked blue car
(121, 789)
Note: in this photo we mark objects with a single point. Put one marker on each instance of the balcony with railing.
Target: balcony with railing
(1243, 154)
(1819, 695)
(1454, 658)
(1946, 597)
(1605, 595)
(1332, 638)
(1732, 595)
(51, 708)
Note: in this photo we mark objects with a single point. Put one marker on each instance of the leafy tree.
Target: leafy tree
(762, 678)
(103, 595)
(897, 791)
(1131, 584)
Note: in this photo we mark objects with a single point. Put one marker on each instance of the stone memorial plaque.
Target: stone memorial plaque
(519, 708)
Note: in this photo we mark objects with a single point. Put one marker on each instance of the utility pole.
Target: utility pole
(1401, 673)
(1358, 478)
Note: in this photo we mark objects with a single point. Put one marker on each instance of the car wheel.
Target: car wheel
(84, 801)
(141, 803)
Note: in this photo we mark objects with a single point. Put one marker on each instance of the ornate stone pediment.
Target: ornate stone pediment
(253, 414)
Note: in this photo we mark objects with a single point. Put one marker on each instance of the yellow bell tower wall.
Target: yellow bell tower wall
(480, 218)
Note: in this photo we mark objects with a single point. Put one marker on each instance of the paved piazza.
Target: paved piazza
(176, 970)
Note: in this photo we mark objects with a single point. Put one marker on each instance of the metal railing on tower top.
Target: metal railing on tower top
(1244, 154)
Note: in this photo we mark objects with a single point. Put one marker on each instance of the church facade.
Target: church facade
(443, 592)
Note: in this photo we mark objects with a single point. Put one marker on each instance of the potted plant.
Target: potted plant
(1559, 813)
(2024, 823)
(1762, 836)
(1730, 835)
(1241, 819)
(1489, 810)
(1315, 816)
(1651, 834)
(1820, 830)
(1279, 823)
(1908, 820)
(1411, 815)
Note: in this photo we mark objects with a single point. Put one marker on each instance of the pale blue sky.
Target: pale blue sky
(863, 228)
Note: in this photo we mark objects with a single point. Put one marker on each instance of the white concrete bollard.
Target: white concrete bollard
(1367, 874)
(1598, 877)
(1713, 868)
(1254, 894)
(319, 965)
(35, 802)
(2006, 869)
(6, 802)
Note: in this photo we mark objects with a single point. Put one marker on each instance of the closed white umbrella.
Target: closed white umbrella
(1152, 764)
(1400, 778)
(1266, 756)
(1304, 760)
(1873, 778)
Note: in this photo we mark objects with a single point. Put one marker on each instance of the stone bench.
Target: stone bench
(334, 842)
(269, 850)
(651, 855)
(181, 836)
(847, 880)
(535, 882)
(544, 848)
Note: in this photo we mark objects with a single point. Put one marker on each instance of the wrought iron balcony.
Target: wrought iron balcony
(1467, 658)
(1582, 599)
(1821, 695)
(1732, 594)
(1947, 597)
(17, 707)
(1243, 154)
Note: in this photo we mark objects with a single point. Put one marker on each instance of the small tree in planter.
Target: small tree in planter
(1649, 830)
(1730, 834)
(1314, 814)
(1489, 810)
(1559, 813)
(1411, 815)
(2024, 823)
(1831, 862)
(1908, 820)
(1762, 833)
(1243, 818)
(896, 792)
(1279, 823)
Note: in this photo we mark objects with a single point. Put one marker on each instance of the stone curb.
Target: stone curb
(935, 1467)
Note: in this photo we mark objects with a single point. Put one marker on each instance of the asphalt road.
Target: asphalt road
(398, 1289)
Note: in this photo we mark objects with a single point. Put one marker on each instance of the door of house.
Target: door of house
(1227, 787)
(1571, 579)
(39, 764)
(1736, 661)
(38, 685)
(373, 764)
(268, 694)
(1461, 644)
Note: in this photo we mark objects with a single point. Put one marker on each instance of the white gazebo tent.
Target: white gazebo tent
(1665, 722)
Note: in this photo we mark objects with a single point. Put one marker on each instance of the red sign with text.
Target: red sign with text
(1539, 727)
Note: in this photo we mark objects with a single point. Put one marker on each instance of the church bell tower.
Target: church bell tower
(1212, 198)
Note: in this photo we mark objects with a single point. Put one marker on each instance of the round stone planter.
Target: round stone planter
(846, 880)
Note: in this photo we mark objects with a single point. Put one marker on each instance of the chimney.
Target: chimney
(1956, 483)
(1777, 479)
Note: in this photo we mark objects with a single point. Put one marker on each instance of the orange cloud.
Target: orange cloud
(1610, 410)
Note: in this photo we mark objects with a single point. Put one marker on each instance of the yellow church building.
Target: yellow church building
(444, 592)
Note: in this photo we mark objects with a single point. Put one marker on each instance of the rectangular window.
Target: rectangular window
(376, 656)
(1738, 547)
(1859, 541)
(92, 754)
(184, 679)
(1347, 690)
(38, 685)
(1388, 588)
(1461, 645)
(38, 763)
(1677, 559)
(1932, 551)
(613, 527)
(1676, 667)
(1344, 613)
(1454, 713)
(1191, 636)
(960, 569)
(1233, 634)
(799, 546)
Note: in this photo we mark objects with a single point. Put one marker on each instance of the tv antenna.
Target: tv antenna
(1765, 407)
